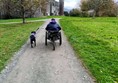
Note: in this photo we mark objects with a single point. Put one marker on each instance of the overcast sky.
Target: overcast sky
(70, 4)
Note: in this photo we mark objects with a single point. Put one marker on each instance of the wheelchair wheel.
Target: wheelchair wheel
(46, 37)
(53, 44)
(60, 39)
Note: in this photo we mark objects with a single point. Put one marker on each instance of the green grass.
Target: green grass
(10, 20)
(27, 19)
(12, 37)
(96, 43)
(20, 20)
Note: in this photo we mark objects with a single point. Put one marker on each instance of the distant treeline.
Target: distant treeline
(95, 8)
(21, 8)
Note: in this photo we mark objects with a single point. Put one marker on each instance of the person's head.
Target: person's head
(53, 20)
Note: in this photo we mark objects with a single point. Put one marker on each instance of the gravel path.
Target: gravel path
(42, 65)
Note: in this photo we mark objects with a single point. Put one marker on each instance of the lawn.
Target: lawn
(12, 37)
(95, 42)
(20, 20)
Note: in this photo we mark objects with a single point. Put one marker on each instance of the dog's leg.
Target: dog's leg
(34, 42)
(31, 44)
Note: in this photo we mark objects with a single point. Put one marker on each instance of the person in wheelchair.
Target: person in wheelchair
(53, 26)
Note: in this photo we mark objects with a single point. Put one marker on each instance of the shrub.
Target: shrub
(75, 12)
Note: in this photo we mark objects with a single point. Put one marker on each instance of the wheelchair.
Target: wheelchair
(53, 36)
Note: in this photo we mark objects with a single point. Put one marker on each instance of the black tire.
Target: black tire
(53, 44)
(46, 36)
(60, 39)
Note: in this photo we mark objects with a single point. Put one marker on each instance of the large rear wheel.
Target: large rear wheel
(60, 38)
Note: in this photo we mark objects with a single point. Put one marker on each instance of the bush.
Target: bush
(66, 13)
(75, 12)
(84, 14)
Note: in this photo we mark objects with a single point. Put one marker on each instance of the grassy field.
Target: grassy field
(12, 37)
(96, 43)
(20, 20)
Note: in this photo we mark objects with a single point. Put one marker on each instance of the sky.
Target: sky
(70, 4)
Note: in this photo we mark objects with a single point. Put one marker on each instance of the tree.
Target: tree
(107, 8)
(1, 6)
(84, 5)
(116, 8)
(101, 7)
(6, 8)
(30, 6)
(61, 7)
(74, 12)
(43, 6)
(66, 13)
(22, 8)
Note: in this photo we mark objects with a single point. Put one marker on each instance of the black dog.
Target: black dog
(33, 39)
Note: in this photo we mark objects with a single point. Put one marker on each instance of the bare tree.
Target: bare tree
(43, 6)
(6, 8)
(30, 6)
(22, 8)
(101, 7)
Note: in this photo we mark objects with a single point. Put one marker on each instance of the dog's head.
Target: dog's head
(33, 32)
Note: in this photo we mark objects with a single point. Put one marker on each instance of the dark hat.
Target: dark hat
(53, 20)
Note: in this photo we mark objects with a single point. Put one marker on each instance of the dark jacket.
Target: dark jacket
(53, 26)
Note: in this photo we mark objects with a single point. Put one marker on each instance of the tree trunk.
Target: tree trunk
(61, 7)
(23, 15)
(23, 18)
(23, 11)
